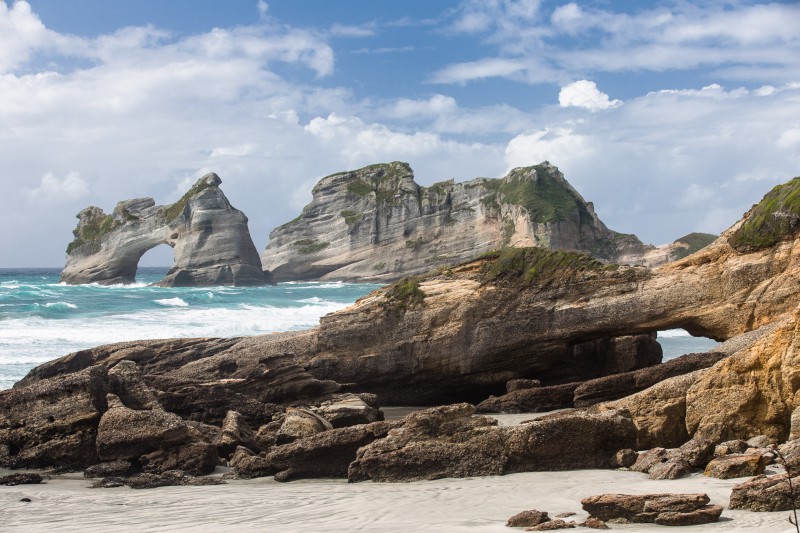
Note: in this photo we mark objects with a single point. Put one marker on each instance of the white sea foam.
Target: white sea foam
(172, 302)
(60, 305)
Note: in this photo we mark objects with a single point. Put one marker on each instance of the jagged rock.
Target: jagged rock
(617, 386)
(434, 443)
(660, 463)
(730, 446)
(170, 478)
(736, 465)
(21, 478)
(376, 224)
(125, 381)
(658, 412)
(794, 427)
(235, 432)
(325, 454)
(521, 384)
(210, 239)
(552, 526)
(110, 469)
(594, 523)
(740, 397)
(662, 509)
(124, 433)
(349, 410)
(196, 459)
(108, 483)
(760, 441)
(53, 422)
(765, 494)
(530, 400)
(624, 458)
(528, 518)
(240, 454)
(301, 423)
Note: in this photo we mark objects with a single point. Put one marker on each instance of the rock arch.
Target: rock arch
(210, 239)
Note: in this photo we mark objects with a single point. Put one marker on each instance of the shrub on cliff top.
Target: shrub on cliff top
(538, 265)
(775, 218)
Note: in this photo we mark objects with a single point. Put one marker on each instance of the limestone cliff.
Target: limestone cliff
(210, 239)
(376, 224)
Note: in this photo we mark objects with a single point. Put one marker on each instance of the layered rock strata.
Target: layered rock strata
(209, 237)
(377, 224)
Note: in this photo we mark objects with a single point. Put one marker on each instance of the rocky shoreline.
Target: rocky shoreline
(516, 330)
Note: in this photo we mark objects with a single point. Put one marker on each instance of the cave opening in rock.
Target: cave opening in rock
(155, 262)
(677, 342)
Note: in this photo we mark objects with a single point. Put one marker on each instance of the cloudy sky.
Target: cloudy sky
(671, 116)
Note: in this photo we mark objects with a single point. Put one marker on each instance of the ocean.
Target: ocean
(41, 319)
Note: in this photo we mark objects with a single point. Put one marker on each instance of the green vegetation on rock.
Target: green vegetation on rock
(694, 242)
(413, 244)
(309, 246)
(174, 211)
(405, 293)
(94, 224)
(286, 224)
(350, 217)
(538, 265)
(546, 199)
(775, 218)
(360, 188)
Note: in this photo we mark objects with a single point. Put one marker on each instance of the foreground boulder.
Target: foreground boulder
(21, 478)
(766, 494)
(662, 509)
(528, 519)
(737, 465)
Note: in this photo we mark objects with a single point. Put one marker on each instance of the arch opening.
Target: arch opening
(154, 264)
(677, 342)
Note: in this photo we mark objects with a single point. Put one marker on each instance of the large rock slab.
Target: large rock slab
(737, 465)
(662, 509)
(210, 239)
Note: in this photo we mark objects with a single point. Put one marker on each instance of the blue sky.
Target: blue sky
(670, 116)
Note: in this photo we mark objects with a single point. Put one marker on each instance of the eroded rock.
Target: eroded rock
(662, 509)
(528, 519)
(737, 465)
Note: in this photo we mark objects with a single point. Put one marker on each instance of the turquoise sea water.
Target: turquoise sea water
(41, 319)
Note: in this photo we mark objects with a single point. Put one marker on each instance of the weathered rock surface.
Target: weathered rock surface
(235, 432)
(326, 454)
(528, 519)
(618, 386)
(167, 479)
(21, 478)
(125, 433)
(596, 390)
(765, 494)
(210, 239)
(662, 509)
(737, 465)
(449, 442)
(195, 458)
(376, 224)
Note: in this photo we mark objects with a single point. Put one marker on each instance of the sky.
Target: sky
(671, 116)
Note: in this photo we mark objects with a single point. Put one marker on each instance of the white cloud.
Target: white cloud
(757, 42)
(263, 9)
(585, 94)
(557, 146)
(52, 190)
(476, 70)
(436, 105)
(790, 138)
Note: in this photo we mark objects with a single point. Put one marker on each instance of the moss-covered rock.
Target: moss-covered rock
(775, 218)
(691, 243)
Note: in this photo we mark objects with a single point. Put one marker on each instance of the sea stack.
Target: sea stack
(377, 224)
(210, 239)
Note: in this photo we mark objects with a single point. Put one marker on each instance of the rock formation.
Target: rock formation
(457, 334)
(376, 224)
(211, 242)
(662, 509)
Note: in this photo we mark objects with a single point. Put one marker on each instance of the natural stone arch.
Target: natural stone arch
(210, 239)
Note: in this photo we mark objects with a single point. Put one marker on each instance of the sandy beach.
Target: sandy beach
(480, 504)
(65, 503)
